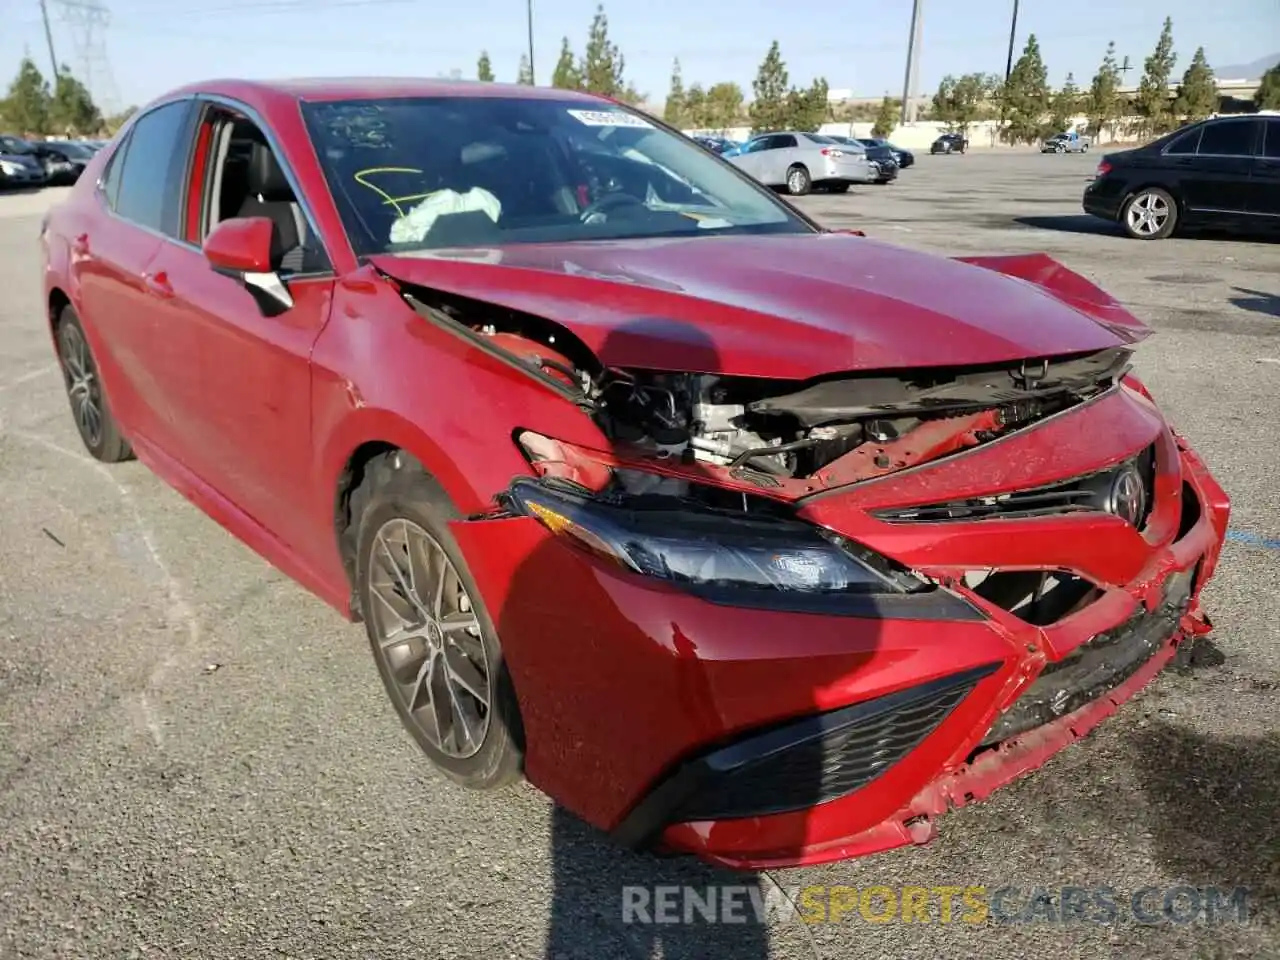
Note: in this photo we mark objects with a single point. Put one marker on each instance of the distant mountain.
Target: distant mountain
(1247, 71)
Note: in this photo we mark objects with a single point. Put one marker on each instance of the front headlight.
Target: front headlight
(8, 166)
(703, 549)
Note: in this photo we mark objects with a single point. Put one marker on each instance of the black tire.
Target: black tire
(100, 434)
(1165, 230)
(839, 188)
(798, 180)
(1084, 148)
(395, 488)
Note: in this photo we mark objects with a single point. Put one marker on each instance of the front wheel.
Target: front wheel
(433, 641)
(798, 182)
(95, 423)
(1150, 214)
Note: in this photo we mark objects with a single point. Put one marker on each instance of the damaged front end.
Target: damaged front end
(667, 432)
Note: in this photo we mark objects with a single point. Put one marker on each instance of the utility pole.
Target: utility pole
(48, 35)
(1008, 65)
(1013, 35)
(912, 78)
(529, 8)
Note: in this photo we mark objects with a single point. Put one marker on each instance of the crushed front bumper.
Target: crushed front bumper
(769, 737)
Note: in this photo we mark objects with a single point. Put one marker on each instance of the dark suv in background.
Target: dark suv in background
(1223, 172)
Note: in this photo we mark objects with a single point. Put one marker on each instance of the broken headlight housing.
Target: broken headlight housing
(708, 551)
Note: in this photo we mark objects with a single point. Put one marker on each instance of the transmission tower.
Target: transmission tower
(87, 22)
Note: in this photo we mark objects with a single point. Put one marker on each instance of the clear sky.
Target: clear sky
(157, 44)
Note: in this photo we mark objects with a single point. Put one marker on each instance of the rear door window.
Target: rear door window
(1232, 138)
(1185, 144)
(1271, 148)
(152, 167)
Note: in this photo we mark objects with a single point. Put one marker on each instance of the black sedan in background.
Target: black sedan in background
(61, 160)
(1219, 173)
(950, 143)
(905, 158)
(885, 162)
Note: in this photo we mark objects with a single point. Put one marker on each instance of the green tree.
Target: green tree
(1103, 103)
(1026, 96)
(1198, 92)
(1267, 96)
(1153, 90)
(1065, 105)
(566, 75)
(524, 73)
(886, 118)
(808, 109)
(696, 110)
(960, 102)
(602, 64)
(28, 102)
(674, 111)
(72, 110)
(723, 105)
(484, 69)
(769, 108)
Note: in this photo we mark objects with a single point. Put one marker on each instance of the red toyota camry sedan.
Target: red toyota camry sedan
(737, 536)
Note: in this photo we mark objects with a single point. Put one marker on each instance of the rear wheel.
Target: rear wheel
(1150, 214)
(798, 182)
(1084, 148)
(98, 429)
(433, 641)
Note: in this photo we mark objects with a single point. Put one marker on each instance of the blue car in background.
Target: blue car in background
(720, 145)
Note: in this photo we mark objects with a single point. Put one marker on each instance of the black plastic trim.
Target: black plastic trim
(934, 605)
(655, 810)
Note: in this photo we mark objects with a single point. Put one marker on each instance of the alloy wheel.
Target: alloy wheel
(83, 386)
(431, 641)
(1147, 214)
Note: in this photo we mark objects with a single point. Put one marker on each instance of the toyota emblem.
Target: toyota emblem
(1128, 497)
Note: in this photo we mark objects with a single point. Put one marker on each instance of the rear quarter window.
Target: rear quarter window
(151, 166)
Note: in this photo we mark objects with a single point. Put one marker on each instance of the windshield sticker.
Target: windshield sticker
(608, 118)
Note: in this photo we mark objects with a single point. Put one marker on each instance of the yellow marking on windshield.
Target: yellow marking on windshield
(395, 202)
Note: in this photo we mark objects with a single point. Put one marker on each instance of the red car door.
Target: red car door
(111, 261)
(248, 416)
(251, 434)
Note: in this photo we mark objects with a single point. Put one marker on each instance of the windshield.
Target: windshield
(75, 151)
(820, 138)
(426, 173)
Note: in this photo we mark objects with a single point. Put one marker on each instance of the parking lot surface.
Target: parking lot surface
(197, 759)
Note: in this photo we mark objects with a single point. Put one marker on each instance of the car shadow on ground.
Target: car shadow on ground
(1215, 810)
(1083, 223)
(1256, 301)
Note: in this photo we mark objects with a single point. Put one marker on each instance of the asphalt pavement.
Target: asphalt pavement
(197, 759)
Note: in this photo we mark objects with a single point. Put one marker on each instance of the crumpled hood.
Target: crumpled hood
(783, 306)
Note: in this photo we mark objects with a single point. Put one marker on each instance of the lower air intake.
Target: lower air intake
(824, 757)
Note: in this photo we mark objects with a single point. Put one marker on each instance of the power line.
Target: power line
(87, 21)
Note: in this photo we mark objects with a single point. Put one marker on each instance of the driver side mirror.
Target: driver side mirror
(241, 248)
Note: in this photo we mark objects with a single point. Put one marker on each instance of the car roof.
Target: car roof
(373, 88)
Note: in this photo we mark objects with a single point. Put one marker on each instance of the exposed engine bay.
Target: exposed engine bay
(769, 432)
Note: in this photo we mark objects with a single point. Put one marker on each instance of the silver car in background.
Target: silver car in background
(801, 161)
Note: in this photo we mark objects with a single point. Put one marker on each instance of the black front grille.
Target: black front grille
(1079, 494)
(824, 757)
(1095, 668)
